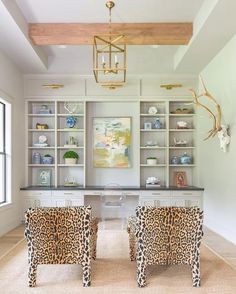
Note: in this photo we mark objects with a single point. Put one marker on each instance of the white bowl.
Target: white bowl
(151, 161)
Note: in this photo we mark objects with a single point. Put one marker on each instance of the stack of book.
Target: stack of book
(153, 186)
(153, 182)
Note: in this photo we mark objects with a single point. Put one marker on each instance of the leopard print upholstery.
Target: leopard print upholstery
(93, 237)
(131, 228)
(63, 235)
(166, 235)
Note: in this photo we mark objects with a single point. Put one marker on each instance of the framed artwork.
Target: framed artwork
(44, 177)
(180, 179)
(111, 142)
(147, 125)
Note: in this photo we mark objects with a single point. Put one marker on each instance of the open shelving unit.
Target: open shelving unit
(182, 134)
(153, 142)
(57, 134)
(162, 139)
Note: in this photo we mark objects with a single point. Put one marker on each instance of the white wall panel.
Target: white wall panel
(122, 176)
(151, 86)
(132, 88)
(72, 87)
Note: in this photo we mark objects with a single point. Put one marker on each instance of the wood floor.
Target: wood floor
(218, 244)
(8, 241)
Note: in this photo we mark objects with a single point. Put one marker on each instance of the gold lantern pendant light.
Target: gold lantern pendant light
(109, 57)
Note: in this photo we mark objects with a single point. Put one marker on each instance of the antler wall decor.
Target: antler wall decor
(217, 127)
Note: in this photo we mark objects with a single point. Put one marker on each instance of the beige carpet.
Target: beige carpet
(112, 272)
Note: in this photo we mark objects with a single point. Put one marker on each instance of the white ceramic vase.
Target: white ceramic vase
(151, 161)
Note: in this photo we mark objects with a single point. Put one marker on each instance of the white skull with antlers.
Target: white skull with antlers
(217, 127)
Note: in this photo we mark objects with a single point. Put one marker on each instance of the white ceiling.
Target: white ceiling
(140, 59)
(95, 10)
(210, 33)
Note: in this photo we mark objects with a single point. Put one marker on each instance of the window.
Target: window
(5, 152)
(3, 159)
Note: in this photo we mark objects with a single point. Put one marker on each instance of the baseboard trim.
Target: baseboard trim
(12, 248)
(10, 226)
(221, 230)
(218, 255)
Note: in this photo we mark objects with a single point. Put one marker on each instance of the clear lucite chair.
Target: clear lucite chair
(113, 203)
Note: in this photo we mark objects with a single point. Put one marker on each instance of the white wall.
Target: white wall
(11, 89)
(124, 177)
(217, 170)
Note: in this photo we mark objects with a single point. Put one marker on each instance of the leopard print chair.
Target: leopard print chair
(166, 235)
(60, 236)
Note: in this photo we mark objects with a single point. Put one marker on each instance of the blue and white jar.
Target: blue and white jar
(175, 160)
(36, 158)
(47, 160)
(186, 159)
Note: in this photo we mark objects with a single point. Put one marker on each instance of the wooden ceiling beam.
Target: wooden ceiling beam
(136, 33)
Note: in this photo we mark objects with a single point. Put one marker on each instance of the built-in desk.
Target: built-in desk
(35, 196)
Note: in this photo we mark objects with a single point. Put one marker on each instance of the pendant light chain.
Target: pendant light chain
(110, 20)
(110, 49)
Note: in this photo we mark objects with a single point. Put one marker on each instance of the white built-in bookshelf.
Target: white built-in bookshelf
(57, 135)
(159, 143)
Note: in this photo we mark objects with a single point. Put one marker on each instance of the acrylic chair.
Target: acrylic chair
(113, 203)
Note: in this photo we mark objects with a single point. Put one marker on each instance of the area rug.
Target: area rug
(112, 272)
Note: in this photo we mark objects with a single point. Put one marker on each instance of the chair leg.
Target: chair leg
(94, 245)
(141, 274)
(93, 238)
(94, 252)
(86, 275)
(196, 273)
(32, 274)
(195, 265)
(132, 245)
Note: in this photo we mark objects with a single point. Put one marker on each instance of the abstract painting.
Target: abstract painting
(111, 142)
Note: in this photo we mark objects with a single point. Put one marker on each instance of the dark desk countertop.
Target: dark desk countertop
(80, 188)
